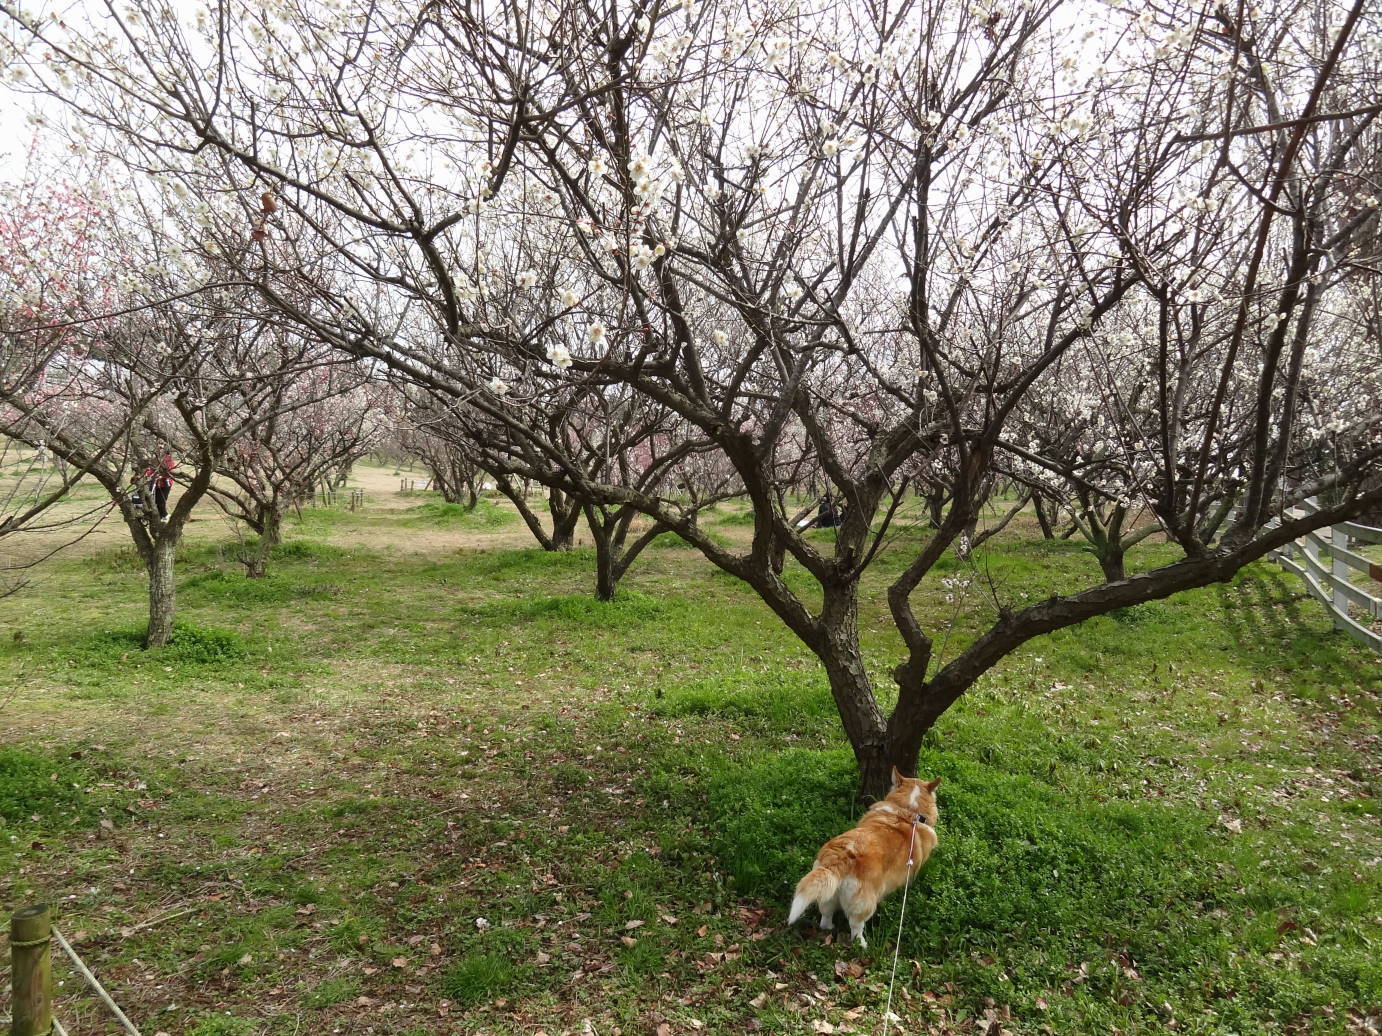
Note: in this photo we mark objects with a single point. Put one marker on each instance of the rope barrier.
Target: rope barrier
(95, 984)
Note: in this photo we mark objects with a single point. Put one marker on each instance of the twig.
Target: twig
(156, 921)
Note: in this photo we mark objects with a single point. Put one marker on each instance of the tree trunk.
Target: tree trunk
(916, 712)
(518, 495)
(838, 649)
(270, 536)
(442, 484)
(566, 515)
(1047, 530)
(162, 593)
(1111, 561)
(606, 582)
(876, 771)
(604, 534)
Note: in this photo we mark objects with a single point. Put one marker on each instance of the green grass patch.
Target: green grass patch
(223, 1024)
(307, 550)
(785, 699)
(486, 514)
(235, 588)
(736, 518)
(37, 786)
(769, 815)
(628, 607)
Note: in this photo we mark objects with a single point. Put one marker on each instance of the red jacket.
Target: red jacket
(161, 476)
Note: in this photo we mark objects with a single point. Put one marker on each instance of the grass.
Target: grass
(454, 793)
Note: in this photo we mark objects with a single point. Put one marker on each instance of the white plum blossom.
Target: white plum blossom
(498, 386)
(526, 279)
(559, 356)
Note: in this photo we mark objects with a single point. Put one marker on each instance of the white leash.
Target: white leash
(911, 858)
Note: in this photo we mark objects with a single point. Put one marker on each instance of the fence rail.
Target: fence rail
(1329, 578)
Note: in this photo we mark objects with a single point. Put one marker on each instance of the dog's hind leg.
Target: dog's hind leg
(859, 907)
(856, 929)
(828, 907)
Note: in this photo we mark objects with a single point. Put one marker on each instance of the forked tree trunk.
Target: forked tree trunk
(613, 553)
(162, 592)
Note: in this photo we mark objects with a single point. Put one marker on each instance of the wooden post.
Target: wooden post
(1338, 540)
(31, 969)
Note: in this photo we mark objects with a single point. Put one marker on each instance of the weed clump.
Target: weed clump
(479, 977)
(205, 645)
(189, 645)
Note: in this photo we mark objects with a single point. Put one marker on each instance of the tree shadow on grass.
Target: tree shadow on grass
(1278, 628)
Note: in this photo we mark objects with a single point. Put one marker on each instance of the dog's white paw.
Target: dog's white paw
(827, 923)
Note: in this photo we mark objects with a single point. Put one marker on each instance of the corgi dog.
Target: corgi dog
(853, 871)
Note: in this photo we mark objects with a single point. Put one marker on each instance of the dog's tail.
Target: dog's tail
(818, 886)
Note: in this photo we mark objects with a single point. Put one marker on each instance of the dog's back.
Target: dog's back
(855, 870)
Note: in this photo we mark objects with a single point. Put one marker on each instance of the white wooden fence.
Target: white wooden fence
(1329, 578)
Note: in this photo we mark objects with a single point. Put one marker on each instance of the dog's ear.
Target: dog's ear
(931, 786)
(897, 779)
